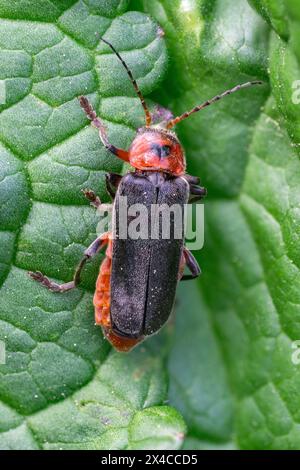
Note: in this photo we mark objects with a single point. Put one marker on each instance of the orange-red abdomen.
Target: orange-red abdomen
(102, 305)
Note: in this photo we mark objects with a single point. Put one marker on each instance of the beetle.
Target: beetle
(136, 286)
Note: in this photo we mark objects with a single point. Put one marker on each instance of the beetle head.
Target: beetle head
(158, 149)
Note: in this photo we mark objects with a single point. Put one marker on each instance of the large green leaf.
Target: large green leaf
(61, 386)
(231, 370)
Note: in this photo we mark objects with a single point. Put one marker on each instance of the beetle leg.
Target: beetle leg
(91, 251)
(191, 179)
(197, 192)
(192, 264)
(92, 116)
(95, 201)
(92, 197)
(112, 181)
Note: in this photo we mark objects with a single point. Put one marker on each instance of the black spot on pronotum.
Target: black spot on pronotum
(162, 151)
(165, 151)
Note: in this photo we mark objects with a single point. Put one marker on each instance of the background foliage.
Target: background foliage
(221, 375)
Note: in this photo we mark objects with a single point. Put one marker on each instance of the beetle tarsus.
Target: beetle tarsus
(95, 201)
(87, 107)
(53, 286)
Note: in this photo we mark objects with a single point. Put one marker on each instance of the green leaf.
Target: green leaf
(61, 387)
(274, 12)
(231, 368)
(117, 409)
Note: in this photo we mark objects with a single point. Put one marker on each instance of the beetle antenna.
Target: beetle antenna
(211, 101)
(133, 81)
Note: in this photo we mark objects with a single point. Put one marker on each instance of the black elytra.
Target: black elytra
(144, 272)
